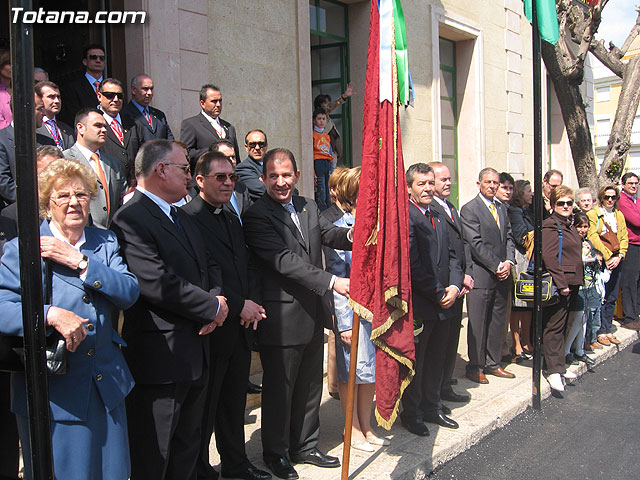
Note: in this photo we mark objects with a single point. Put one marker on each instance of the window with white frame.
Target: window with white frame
(603, 94)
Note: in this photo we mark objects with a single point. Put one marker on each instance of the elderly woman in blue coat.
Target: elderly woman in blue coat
(90, 285)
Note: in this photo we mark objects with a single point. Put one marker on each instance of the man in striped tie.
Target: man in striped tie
(152, 122)
(91, 131)
(52, 127)
(123, 133)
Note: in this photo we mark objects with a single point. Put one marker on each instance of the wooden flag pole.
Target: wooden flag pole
(351, 390)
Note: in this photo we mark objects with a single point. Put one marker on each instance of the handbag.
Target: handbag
(524, 286)
(610, 239)
(12, 347)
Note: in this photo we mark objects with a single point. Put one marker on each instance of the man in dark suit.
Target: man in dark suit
(449, 213)
(488, 231)
(58, 131)
(152, 122)
(436, 281)
(231, 343)
(201, 130)
(166, 330)
(286, 233)
(7, 154)
(240, 200)
(91, 130)
(250, 169)
(123, 133)
(81, 93)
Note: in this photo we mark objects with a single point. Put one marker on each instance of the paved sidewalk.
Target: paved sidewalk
(412, 457)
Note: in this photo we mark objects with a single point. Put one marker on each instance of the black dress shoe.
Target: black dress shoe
(317, 458)
(446, 410)
(416, 427)
(451, 396)
(584, 358)
(253, 388)
(441, 419)
(250, 473)
(452, 381)
(570, 360)
(281, 467)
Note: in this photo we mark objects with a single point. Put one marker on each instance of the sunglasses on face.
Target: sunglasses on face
(112, 95)
(562, 203)
(610, 197)
(257, 144)
(222, 177)
(96, 57)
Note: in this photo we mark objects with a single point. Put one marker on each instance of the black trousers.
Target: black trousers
(630, 284)
(8, 431)
(224, 409)
(164, 423)
(487, 309)
(454, 316)
(291, 394)
(422, 396)
(554, 325)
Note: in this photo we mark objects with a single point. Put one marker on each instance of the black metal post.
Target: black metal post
(29, 241)
(537, 207)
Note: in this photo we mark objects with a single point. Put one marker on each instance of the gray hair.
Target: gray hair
(134, 80)
(150, 154)
(41, 70)
(417, 168)
(585, 190)
(485, 171)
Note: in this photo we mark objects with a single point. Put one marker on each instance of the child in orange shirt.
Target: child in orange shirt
(322, 159)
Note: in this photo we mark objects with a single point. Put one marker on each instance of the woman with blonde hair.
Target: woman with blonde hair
(339, 263)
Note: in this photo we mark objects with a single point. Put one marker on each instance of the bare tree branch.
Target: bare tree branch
(609, 59)
(632, 34)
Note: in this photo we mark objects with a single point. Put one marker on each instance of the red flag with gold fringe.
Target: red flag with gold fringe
(380, 288)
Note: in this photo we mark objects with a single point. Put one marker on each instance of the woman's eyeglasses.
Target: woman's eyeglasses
(562, 203)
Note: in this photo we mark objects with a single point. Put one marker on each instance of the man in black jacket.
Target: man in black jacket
(166, 330)
(436, 281)
(231, 343)
(285, 233)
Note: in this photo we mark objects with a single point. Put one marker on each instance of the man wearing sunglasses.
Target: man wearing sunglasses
(250, 169)
(230, 352)
(201, 130)
(81, 92)
(123, 133)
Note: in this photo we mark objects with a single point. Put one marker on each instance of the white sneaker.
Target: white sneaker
(555, 382)
(569, 375)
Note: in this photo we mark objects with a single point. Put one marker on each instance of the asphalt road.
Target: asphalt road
(592, 433)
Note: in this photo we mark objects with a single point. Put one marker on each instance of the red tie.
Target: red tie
(96, 84)
(433, 224)
(147, 115)
(115, 126)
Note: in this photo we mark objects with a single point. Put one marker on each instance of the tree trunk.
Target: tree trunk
(618, 145)
(574, 115)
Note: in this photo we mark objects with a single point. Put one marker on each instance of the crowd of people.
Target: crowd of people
(210, 258)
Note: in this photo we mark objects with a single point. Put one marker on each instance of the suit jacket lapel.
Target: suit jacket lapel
(167, 224)
(484, 211)
(283, 216)
(205, 123)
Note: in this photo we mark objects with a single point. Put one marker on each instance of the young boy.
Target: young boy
(322, 158)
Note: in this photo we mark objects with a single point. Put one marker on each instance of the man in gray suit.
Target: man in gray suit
(487, 230)
(91, 131)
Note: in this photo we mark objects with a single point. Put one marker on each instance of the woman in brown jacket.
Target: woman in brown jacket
(567, 274)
